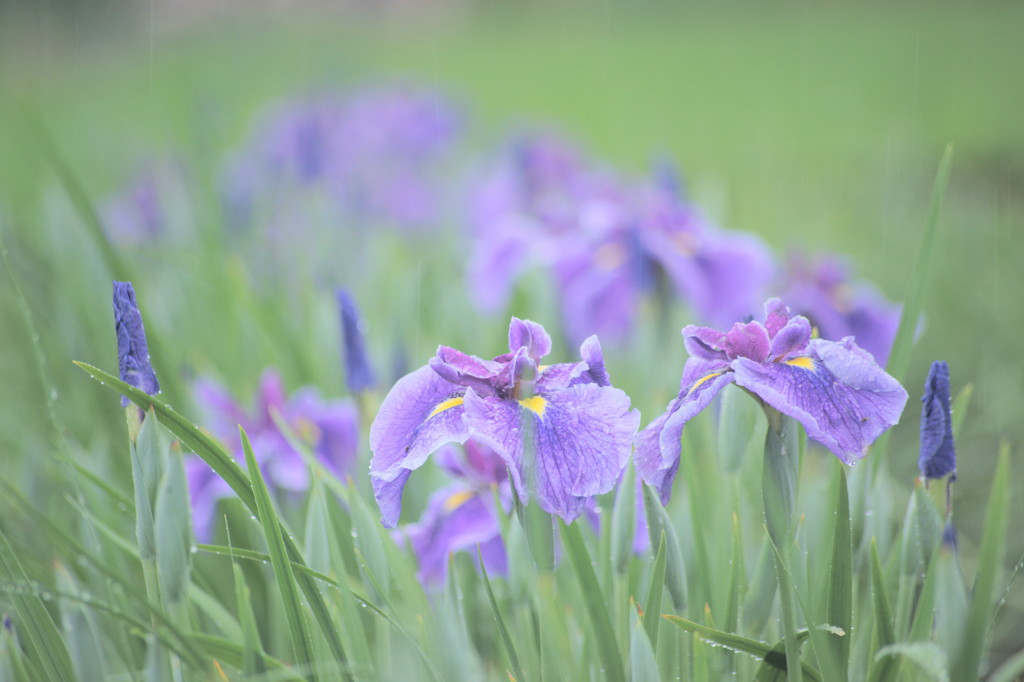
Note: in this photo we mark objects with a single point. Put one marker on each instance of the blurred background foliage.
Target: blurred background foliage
(817, 126)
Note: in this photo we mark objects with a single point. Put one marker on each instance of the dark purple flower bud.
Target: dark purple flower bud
(938, 453)
(8, 625)
(358, 373)
(132, 352)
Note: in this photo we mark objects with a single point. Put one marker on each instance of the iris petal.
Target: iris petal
(576, 450)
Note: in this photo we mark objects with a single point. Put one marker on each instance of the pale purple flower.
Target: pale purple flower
(821, 290)
(376, 154)
(527, 212)
(608, 245)
(843, 399)
(328, 428)
(149, 207)
(132, 350)
(462, 515)
(563, 431)
(652, 243)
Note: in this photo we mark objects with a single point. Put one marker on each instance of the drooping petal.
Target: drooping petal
(420, 413)
(657, 451)
(704, 343)
(563, 447)
(647, 458)
(461, 369)
(938, 452)
(843, 399)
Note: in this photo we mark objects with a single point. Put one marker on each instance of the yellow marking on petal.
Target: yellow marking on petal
(706, 377)
(541, 368)
(814, 332)
(446, 405)
(456, 500)
(610, 257)
(802, 363)
(306, 430)
(535, 404)
(685, 244)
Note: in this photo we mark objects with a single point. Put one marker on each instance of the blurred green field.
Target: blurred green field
(816, 126)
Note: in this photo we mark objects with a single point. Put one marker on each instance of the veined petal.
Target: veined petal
(747, 340)
(420, 413)
(530, 335)
(647, 458)
(564, 447)
(776, 315)
(561, 376)
(697, 397)
(704, 343)
(590, 351)
(461, 369)
(791, 338)
(843, 399)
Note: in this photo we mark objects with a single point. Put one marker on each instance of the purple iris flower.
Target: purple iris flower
(651, 242)
(135, 213)
(526, 212)
(359, 375)
(563, 431)
(462, 515)
(329, 428)
(609, 245)
(834, 388)
(821, 290)
(132, 350)
(938, 453)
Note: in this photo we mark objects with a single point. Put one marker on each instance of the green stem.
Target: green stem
(781, 461)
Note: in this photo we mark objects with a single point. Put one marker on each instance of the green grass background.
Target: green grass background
(815, 125)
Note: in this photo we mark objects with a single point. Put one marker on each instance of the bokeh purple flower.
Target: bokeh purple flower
(843, 399)
(821, 290)
(938, 452)
(132, 350)
(462, 515)
(375, 154)
(328, 428)
(608, 244)
(149, 207)
(563, 431)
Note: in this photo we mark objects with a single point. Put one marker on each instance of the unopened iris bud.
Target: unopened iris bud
(938, 453)
(359, 374)
(132, 351)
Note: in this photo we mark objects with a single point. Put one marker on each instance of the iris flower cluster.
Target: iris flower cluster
(607, 244)
(560, 434)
